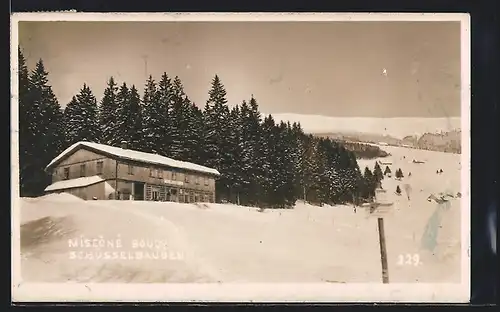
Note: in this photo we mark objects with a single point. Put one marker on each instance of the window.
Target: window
(160, 173)
(130, 169)
(82, 170)
(191, 197)
(152, 172)
(66, 174)
(206, 181)
(186, 178)
(197, 181)
(99, 167)
(174, 176)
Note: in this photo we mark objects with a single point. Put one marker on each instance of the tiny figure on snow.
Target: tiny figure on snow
(440, 170)
(407, 188)
(409, 174)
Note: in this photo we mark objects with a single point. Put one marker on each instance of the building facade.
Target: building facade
(97, 171)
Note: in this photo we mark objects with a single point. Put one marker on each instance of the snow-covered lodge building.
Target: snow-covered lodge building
(97, 171)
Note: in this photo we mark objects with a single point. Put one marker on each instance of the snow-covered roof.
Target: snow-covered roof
(134, 155)
(79, 182)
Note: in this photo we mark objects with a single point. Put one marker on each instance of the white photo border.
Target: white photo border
(263, 292)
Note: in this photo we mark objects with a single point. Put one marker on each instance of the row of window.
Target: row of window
(154, 173)
(158, 173)
(156, 194)
(83, 170)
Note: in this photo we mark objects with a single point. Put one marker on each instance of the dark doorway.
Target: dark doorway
(138, 191)
(156, 195)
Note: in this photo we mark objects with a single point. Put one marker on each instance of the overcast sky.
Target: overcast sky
(323, 68)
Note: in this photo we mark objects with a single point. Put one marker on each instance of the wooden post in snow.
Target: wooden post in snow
(383, 251)
(116, 180)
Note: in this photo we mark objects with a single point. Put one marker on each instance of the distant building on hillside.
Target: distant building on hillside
(418, 161)
(97, 171)
(385, 162)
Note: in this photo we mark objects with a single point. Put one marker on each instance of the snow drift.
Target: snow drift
(65, 239)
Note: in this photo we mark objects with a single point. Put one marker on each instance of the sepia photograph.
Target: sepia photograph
(181, 157)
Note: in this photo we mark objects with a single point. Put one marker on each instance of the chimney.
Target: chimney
(123, 144)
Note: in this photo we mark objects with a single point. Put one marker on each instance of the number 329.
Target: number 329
(409, 259)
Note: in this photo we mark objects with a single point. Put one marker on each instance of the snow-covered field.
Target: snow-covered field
(226, 243)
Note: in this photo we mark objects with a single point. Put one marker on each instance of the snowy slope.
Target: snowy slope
(394, 127)
(230, 243)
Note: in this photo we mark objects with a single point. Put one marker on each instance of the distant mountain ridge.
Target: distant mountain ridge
(437, 134)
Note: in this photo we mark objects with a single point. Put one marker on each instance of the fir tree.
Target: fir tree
(152, 131)
(234, 139)
(284, 149)
(377, 172)
(122, 120)
(398, 190)
(129, 118)
(297, 156)
(214, 119)
(349, 175)
(399, 174)
(182, 118)
(108, 112)
(247, 152)
(325, 180)
(81, 120)
(310, 168)
(70, 126)
(270, 178)
(387, 170)
(259, 149)
(351, 178)
(134, 120)
(190, 124)
(369, 184)
(26, 130)
(293, 157)
(217, 152)
(187, 126)
(43, 135)
(165, 119)
(195, 143)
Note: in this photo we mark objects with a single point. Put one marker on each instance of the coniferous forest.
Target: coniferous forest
(262, 162)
